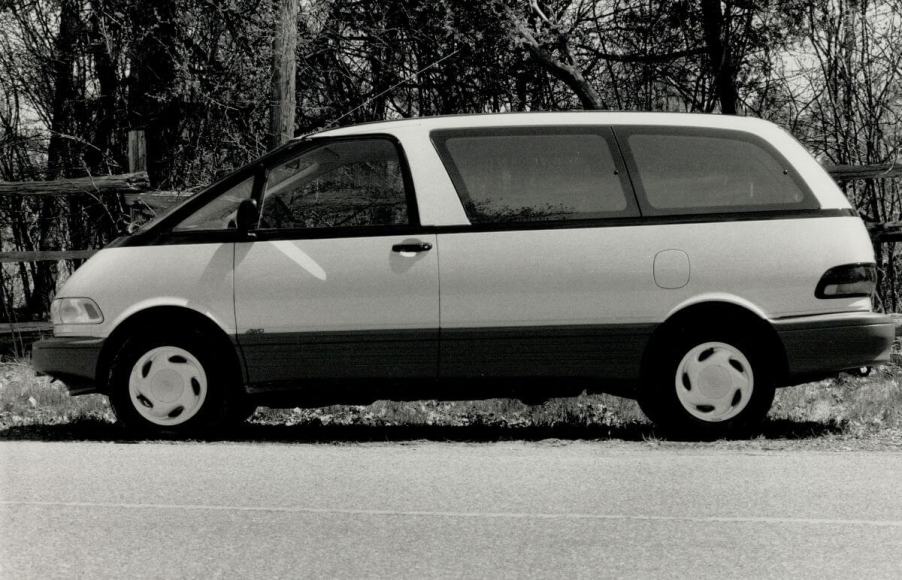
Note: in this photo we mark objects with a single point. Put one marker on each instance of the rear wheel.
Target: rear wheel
(172, 385)
(708, 384)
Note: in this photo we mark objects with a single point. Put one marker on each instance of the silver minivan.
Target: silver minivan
(693, 262)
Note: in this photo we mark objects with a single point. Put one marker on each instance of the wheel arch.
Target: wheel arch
(176, 317)
(718, 313)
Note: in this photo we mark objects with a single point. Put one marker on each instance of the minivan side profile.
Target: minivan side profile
(692, 262)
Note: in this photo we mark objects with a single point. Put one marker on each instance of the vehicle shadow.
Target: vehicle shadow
(314, 432)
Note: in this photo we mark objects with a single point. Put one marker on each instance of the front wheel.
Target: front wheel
(170, 385)
(708, 385)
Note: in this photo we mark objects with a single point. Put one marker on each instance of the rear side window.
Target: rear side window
(533, 175)
(710, 171)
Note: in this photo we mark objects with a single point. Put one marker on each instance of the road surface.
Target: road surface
(515, 510)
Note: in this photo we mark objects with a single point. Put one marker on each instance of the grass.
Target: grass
(859, 406)
(837, 410)
(26, 399)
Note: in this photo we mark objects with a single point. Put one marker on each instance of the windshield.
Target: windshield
(164, 213)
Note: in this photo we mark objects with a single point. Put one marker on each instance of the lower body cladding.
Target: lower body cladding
(529, 363)
(818, 346)
(72, 360)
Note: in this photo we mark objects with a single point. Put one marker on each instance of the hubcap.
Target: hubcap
(167, 385)
(714, 381)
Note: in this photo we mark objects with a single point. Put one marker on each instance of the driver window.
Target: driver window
(219, 213)
(340, 184)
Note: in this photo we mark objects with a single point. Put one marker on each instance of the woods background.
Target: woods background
(211, 86)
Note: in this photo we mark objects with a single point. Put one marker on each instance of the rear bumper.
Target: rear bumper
(826, 344)
(72, 360)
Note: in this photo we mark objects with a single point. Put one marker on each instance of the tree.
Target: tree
(62, 153)
(284, 54)
(153, 105)
(542, 36)
(715, 23)
(851, 111)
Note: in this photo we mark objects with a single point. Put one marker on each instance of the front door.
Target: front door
(338, 283)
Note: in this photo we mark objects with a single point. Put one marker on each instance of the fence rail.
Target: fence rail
(126, 182)
(42, 256)
(849, 172)
(15, 328)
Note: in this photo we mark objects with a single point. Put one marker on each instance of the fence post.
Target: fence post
(137, 151)
(137, 158)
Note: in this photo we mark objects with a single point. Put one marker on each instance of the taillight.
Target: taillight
(847, 281)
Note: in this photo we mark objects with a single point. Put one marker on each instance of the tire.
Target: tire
(708, 384)
(172, 385)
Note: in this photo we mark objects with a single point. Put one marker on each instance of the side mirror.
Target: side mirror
(248, 215)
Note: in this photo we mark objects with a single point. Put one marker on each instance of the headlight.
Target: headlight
(75, 311)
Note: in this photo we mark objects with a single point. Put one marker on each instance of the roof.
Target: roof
(556, 118)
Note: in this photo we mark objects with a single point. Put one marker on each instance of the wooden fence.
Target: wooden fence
(134, 187)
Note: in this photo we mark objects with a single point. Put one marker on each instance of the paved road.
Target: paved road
(443, 510)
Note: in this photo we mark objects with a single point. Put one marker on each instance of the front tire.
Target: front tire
(708, 384)
(171, 385)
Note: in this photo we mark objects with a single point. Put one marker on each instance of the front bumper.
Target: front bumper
(822, 345)
(72, 360)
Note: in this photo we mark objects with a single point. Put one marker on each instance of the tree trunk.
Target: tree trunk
(60, 150)
(284, 66)
(62, 154)
(100, 159)
(17, 226)
(720, 55)
(153, 103)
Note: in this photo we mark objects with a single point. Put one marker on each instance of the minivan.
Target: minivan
(692, 262)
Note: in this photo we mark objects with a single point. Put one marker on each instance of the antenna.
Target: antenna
(390, 89)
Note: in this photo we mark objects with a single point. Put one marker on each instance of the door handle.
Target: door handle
(413, 247)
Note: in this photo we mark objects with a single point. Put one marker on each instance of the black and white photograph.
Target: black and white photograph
(450, 289)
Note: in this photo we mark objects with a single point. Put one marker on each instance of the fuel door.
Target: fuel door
(671, 269)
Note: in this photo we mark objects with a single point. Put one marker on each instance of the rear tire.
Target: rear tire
(708, 384)
(172, 385)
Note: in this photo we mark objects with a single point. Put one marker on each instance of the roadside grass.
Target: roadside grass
(849, 407)
(26, 399)
(858, 406)
(584, 411)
